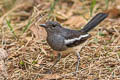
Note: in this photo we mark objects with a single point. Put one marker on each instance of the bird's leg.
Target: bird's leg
(78, 62)
(78, 55)
(57, 60)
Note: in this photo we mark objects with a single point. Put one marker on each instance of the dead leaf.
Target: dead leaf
(76, 21)
(113, 13)
(39, 32)
(63, 16)
(3, 54)
(28, 3)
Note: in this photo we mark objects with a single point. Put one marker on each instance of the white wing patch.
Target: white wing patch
(74, 39)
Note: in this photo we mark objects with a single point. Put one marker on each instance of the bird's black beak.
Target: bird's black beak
(43, 25)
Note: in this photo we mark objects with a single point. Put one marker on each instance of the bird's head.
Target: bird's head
(51, 26)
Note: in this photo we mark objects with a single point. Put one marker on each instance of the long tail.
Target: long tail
(94, 21)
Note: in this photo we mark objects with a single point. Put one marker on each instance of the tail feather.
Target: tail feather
(94, 22)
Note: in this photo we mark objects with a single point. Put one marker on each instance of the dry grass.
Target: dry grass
(29, 57)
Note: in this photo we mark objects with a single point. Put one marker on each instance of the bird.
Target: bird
(62, 39)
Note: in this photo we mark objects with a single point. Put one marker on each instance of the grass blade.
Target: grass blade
(11, 28)
(106, 2)
(27, 26)
(92, 6)
(52, 7)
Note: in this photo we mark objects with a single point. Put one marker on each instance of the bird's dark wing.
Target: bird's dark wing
(74, 37)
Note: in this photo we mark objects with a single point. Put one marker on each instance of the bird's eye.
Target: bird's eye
(54, 25)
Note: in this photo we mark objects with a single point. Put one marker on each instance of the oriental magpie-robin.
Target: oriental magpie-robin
(63, 39)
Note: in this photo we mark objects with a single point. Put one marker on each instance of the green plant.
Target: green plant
(52, 7)
(106, 2)
(21, 63)
(27, 26)
(11, 28)
(92, 7)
